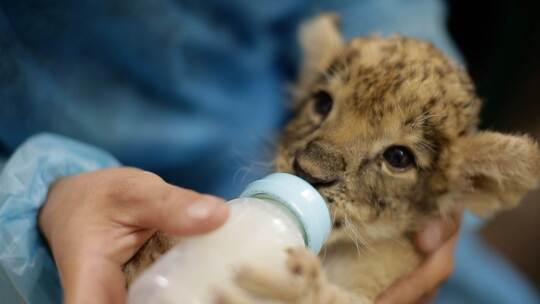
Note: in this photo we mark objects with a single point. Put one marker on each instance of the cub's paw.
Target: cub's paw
(302, 282)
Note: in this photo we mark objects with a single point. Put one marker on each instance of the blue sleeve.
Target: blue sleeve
(27, 271)
(422, 19)
(482, 275)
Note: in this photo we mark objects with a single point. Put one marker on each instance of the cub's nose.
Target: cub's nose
(319, 163)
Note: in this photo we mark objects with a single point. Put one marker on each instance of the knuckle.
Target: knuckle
(455, 222)
(130, 185)
(121, 189)
(148, 176)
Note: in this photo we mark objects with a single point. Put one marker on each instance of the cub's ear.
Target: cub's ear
(491, 171)
(321, 40)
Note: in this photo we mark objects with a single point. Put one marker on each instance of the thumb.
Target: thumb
(181, 212)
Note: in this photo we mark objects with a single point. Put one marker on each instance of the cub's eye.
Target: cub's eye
(323, 102)
(399, 157)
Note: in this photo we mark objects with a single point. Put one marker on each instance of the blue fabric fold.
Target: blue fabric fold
(482, 275)
(25, 261)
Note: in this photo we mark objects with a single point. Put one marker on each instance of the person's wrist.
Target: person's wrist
(67, 255)
(79, 280)
(45, 222)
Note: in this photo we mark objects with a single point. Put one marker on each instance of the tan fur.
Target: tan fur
(387, 92)
(148, 254)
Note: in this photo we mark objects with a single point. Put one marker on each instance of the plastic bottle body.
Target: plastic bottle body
(257, 233)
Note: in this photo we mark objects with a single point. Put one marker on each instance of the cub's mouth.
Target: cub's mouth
(287, 161)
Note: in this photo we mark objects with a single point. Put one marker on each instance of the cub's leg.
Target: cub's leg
(302, 282)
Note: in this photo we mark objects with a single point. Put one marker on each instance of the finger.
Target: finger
(428, 276)
(151, 203)
(428, 298)
(437, 231)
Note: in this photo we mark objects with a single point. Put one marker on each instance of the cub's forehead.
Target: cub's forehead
(372, 51)
(401, 80)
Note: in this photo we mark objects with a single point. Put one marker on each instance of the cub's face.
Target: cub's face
(380, 129)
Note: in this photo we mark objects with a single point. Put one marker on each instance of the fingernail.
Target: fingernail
(205, 208)
(431, 237)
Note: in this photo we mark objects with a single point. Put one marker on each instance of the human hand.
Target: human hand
(436, 241)
(95, 222)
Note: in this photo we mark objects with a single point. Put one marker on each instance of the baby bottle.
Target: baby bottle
(274, 213)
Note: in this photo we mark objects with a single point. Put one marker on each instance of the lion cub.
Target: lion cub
(386, 130)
